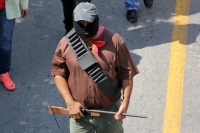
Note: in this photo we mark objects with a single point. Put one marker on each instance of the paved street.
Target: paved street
(150, 42)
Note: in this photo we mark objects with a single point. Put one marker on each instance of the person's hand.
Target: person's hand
(75, 110)
(122, 109)
(24, 13)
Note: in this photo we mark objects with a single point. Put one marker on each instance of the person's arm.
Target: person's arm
(127, 70)
(24, 7)
(127, 89)
(73, 106)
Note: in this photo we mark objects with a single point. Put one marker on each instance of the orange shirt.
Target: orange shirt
(2, 4)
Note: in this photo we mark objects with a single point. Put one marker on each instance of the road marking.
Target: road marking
(173, 109)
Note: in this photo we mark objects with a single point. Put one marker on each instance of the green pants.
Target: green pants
(99, 124)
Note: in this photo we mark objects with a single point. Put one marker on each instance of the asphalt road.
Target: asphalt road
(149, 41)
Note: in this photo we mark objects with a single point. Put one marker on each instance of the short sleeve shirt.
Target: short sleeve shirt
(114, 58)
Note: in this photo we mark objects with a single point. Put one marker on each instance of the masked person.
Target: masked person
(78, 89)
(9, 11)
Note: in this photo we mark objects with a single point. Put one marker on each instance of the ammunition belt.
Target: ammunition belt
(90, 65)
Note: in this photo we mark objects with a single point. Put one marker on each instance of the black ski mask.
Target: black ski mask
(87, 31)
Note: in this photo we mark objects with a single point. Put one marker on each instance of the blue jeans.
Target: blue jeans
(132, 4)
(6, 32)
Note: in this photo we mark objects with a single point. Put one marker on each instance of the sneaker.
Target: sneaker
(8, 83)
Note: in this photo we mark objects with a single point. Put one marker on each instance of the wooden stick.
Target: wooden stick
(64, 111)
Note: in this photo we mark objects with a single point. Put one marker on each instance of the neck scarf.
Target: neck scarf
(96, 44)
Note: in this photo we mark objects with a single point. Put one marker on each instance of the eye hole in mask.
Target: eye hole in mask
(81, 24)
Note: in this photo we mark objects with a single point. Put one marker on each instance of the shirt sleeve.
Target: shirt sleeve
(58, 66)
(24, 4)
(126, 64)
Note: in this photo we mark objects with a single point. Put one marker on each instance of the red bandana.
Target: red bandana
(96, 44)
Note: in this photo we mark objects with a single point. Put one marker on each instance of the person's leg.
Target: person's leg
(132, 6)
(6, 32)
(106, 123)
(68, 7)
(98, 124)
(83, 125)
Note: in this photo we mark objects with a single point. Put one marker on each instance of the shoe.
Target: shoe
(148, 3)
(8, 83)
(132, 16)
